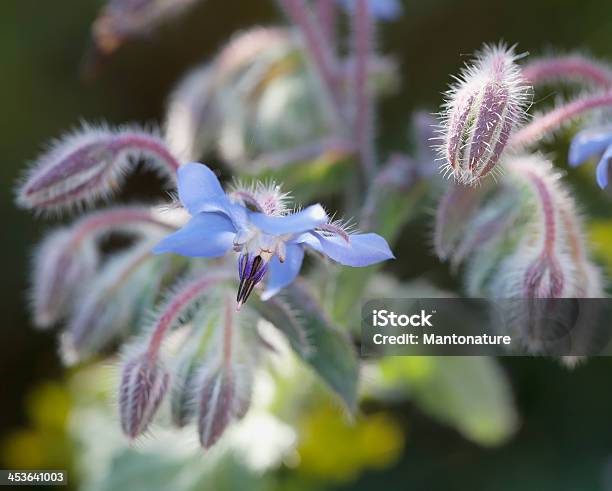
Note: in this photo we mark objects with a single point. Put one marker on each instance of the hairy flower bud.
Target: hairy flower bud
(183, 393)
(267, 97)
(143, 385)
(519, 238)
(192, 118)
(225, 396)
(60, 269)
(200, 352)
(480, 113)
(112, 305)
(215, 411)
(87, 165)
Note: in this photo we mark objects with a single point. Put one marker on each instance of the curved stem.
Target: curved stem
(326, 14)
(316, 43)
(568, 68)
(189, 294)
(363, 124)
(548, 213)
(106, 220)
(228, 332)
(551, 121)
(147, 143)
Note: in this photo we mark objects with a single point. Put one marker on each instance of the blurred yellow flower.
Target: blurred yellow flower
(335, 449)
(44, 445)
(601, 239)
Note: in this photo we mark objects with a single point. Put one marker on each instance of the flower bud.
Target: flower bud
(115, 302)
(87, 165)
(143, 385)
(519, 238)
(217, 398)
(544, 278)
(267, 97)
(183, 394)
(192, 118)
(60, 269)
(455, 211)
(480, 113)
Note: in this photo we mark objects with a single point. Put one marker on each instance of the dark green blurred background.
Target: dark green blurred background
(565, 442)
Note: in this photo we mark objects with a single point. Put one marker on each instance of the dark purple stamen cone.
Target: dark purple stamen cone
(251, 271)
(143, 386)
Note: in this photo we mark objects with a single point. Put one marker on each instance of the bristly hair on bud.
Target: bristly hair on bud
(481, 110)
(226, 388)
(551, 260)
(60, 269)
(264, 197)
(519, 238)
(144, 382)
(125, 289)
(192, 117)
(89, 164)
(69, 257)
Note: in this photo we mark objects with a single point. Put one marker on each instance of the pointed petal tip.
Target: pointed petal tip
(603, 169)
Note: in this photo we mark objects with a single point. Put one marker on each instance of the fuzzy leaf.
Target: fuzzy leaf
(469, 393)
(387, 211)
(330, 352)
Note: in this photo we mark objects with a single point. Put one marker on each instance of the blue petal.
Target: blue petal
(200, 191)
(360, 250)
(302, 221)
(385, 10)
(588, 143)
(197, 186)
(603, 168)
(282, 274)
(205, 235)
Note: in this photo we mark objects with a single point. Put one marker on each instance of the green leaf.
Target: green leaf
(386, 212)
(472, 394)
(601, 238)
(315, 339)
(311, 179)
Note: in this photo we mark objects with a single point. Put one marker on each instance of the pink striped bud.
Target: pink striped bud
(60, 269)
(143, 385)
(544, 278)
(87, 165)
(217, 399)
(480, 112)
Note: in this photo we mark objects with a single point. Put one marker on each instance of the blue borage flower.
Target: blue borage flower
(590, 143)
(385, 10)
(255, 223)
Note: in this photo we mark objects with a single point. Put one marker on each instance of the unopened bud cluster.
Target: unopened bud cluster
(519, 238)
